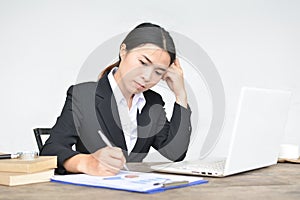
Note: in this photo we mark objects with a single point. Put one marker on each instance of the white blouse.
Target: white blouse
(127, 116)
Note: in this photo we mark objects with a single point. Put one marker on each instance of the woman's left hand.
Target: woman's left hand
(175, 81)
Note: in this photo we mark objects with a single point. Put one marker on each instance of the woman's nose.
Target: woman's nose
(147, 73)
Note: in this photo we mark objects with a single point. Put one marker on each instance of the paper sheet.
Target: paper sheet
(128, 180)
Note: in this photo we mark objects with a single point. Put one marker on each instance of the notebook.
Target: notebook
(255, 140)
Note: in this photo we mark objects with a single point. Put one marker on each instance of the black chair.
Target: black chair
(37, 133)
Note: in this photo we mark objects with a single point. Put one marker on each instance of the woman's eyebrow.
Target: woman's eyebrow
(147, 59)
(160, 68)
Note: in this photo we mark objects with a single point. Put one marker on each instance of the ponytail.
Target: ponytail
(108, 69)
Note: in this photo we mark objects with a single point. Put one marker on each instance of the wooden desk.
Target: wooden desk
(281, 181)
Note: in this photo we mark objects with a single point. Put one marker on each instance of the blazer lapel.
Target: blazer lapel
(108, 115)
(144, 126)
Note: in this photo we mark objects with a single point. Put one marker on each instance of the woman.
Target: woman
(122, 107)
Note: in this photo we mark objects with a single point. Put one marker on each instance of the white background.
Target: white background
(43, 45)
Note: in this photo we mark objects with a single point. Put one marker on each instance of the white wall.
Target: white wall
(43, 45)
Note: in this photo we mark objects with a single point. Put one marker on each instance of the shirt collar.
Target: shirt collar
(138, 99)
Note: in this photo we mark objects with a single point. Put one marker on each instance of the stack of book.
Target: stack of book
(19, 172)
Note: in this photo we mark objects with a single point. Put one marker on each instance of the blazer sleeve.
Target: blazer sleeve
(173, 137)
(63, 136)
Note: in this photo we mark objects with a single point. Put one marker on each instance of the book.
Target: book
(28, 166)
(140, 182)
(21, 178)
(282, 160)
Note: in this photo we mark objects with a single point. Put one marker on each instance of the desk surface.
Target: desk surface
(281, 181)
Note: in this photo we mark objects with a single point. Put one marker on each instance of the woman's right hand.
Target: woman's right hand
(105, 162)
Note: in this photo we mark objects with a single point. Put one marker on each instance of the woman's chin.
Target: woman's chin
(138, 90)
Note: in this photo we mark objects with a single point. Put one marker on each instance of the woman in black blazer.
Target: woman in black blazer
(122, 107)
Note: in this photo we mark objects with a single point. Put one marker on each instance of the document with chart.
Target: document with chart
(132, 181)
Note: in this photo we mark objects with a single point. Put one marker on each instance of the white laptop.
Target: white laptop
(256, 136)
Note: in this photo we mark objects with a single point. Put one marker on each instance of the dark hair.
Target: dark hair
(147, 33)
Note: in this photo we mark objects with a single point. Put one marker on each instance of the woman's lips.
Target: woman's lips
(140, 86)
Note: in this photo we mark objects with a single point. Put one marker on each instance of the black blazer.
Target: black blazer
(91, 106)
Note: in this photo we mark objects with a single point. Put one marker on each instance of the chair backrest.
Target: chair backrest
(37, 133)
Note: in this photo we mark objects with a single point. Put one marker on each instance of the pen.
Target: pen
(173, 183)
(107, 142)
(9, 156)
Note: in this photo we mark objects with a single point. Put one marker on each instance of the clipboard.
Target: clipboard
(131, 181)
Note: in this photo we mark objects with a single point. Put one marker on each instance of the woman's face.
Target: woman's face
(141, 68)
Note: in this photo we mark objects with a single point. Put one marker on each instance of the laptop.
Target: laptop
(255, 140)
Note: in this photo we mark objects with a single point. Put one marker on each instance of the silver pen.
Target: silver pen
(107, 142)
(9, 156)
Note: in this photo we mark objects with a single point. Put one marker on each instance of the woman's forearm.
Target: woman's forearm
(105, 162)
(182, 100)
(78, 163)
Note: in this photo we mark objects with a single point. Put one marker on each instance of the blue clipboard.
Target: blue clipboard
(139, 182)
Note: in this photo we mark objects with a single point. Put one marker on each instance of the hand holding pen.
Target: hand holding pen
(108, 143)
(107, 161)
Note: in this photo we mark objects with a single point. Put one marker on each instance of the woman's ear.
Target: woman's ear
(123, 51)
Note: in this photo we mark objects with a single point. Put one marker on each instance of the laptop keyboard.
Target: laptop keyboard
(215, 166)
(205, 168)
